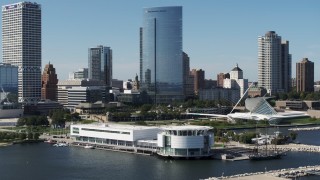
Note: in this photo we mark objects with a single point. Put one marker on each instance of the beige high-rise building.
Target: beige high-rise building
(274, 66)
(305, 76)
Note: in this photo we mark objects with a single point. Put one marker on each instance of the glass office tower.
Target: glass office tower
(21, 46)
(100, 64)
(161, 50)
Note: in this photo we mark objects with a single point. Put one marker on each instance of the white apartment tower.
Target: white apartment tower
(21, 46)
(274, 66)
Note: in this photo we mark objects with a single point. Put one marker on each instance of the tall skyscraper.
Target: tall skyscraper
(100, 64)
(21, 46)
(161, 63)
(49, 83)
(274, 66)
(305, 76)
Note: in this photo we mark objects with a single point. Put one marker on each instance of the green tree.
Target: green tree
(21, 121)
(36, 136)
(30, 135)
(58, 118)
(22, 136)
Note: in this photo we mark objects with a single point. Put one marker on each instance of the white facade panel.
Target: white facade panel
(105, 135)
(160, 140)
(187, 142)
(118, 133)
(150, 134)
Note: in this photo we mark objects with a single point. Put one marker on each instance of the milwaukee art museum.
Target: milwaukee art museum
(260, 109)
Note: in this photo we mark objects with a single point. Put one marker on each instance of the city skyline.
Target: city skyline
(214, 33)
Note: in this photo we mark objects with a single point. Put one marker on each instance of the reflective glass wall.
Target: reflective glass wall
(162, 71)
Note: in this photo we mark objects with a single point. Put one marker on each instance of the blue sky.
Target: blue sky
(217, 34)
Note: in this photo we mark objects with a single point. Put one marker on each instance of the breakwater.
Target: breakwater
(289, 147)
(280, 173)
(305, 129)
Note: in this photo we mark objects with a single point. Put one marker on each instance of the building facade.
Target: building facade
(100, 64)
(199, 79)
(221, 77)
(49, 83)
(274, 63)
(229, 96)
(188, 79)
(125, 137)
(305, 76)
(185, 141)
(21, 46)
(161, 73)
(9, 78)
(236, 81)
(73, 92)
(80, 74)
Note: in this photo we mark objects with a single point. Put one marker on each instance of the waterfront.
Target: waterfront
(43, 161)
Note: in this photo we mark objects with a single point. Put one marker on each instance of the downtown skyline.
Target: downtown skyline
(216, 35)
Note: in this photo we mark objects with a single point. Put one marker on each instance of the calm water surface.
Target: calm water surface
(43, 161)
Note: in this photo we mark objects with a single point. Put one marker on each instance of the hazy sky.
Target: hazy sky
(217, 34)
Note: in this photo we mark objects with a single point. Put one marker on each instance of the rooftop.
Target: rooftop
(186, 127)
(114, 126)
(236, 68)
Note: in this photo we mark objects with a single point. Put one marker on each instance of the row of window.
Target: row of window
(106, 131)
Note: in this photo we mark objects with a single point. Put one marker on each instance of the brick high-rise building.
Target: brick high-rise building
(49, 83)
(221, 77)
(199, 79)
(305, 76)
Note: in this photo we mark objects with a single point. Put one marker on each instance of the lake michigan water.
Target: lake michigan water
(43, 161)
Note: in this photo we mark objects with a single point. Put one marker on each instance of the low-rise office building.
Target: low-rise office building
(170, 141)
(298, 105)
(113, 134)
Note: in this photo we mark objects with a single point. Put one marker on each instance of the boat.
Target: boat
(50, 141)
(60, 145)
(256, 156)
(89, 147)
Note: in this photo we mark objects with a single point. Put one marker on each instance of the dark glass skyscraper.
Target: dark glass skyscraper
(100, 64)
(161, 64)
